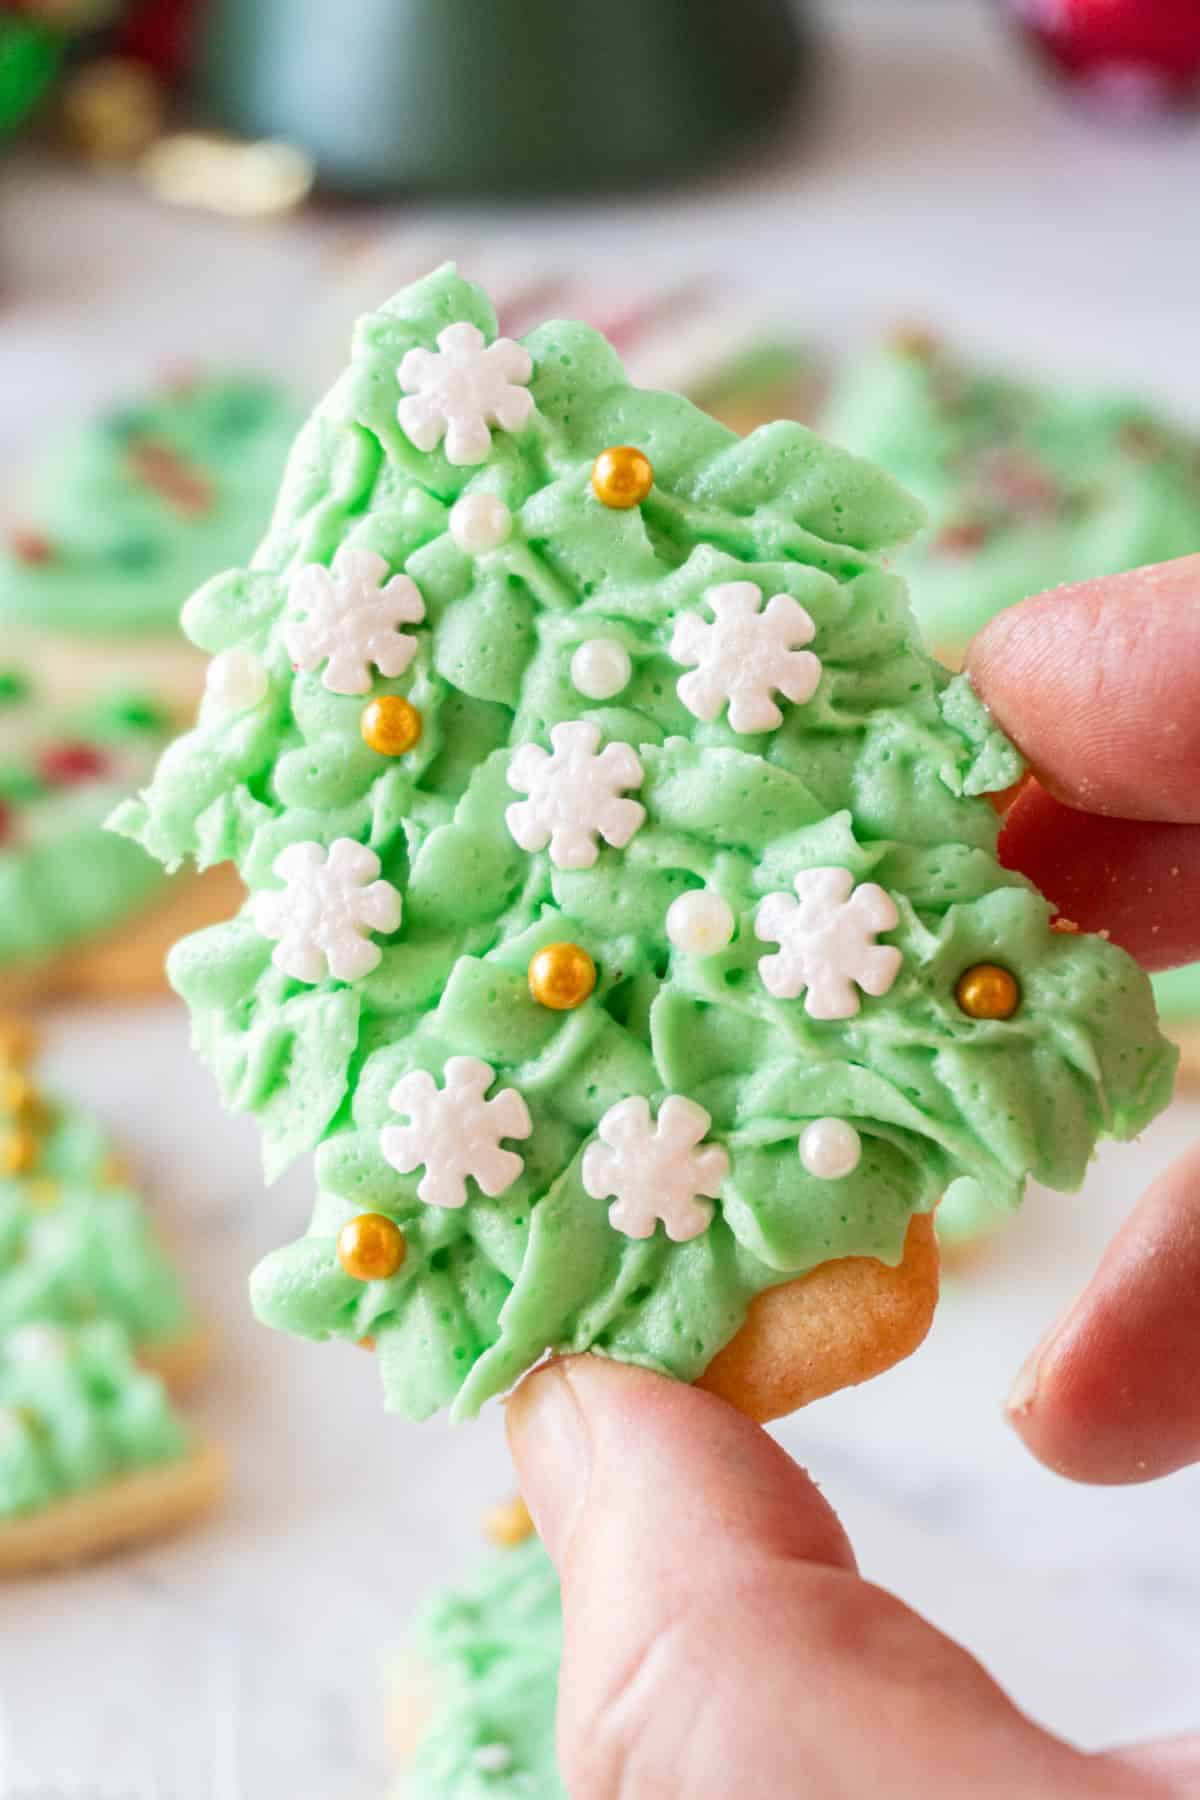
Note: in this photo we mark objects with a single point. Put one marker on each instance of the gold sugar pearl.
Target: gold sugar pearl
(508, 1524)
(371, 1247)
(1068, 926)
(986, 991)
(364, 1343)
(18, 1152)
(391, 725)
(18, 1041)
(19, 1094)
(45, 1193)
(622, 477)
(561, 976)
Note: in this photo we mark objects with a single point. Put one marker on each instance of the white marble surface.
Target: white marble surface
(248, 1659)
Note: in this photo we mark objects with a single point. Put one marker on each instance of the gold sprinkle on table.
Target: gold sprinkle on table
(508, 1524)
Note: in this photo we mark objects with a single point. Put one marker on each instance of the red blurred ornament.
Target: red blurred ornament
(1134, 59)
(161, 34)
(65, 765)
(8, 823)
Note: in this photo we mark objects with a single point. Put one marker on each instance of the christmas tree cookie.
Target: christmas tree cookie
(122, 518)
(625, 930)
(1027, 487)
(477, 1700)
(75, 1240)
(81, 912)
(92, 1456)
(93, 1326)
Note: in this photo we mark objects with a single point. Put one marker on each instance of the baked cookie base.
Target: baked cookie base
(180, 1363)
(143, 1505)
(161, 663)
(128, 962)
(837, 1326)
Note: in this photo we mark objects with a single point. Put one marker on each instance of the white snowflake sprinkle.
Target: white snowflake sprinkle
(745, 656)
(826, 941)
(453, 1132)
(349, 618)
(574, 794)
(461, 390)
(324, 914)
(656, 1171)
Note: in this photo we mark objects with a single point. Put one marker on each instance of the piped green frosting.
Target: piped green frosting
(492, 1649)
(137, 506)
(76, 1412)
(883, 773)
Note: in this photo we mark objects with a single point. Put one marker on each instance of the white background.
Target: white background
(941, 180)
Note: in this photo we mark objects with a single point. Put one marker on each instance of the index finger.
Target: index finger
(1098, 684)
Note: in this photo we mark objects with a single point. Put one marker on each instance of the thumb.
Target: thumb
(717, 1638)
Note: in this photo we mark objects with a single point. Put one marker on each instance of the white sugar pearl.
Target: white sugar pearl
(830, 1148)
(601, 668)
(35, 1342)
(493, 1759)
(699, 923)
(236, 681)
(480, 522)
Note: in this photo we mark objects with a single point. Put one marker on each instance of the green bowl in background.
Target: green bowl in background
(501, 95)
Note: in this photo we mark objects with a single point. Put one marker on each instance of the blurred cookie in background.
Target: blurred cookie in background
(95, 1328)
(1028, 485)
(475, 1699)
(84, 914)
(122, 518)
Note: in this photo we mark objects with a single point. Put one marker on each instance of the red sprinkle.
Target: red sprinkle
(176, 481)
(64, 765)
(961, 539)
(30, 546)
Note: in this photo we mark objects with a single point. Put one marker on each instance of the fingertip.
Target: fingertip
(1111, 1396)
(1098, 683)
(601, 1445)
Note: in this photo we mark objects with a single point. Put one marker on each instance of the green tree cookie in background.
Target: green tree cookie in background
(63, 767)
(625, 932)
(94, 1328)
(1028, 486)
(486, 1658)
(123, 516)
(75, 1240)
(76, 1413)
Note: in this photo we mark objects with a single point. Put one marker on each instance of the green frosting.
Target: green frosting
(62, 770)
(881, 773)
(1027, 487)
(139, 505)
(76, 1412)
(493, 1648)
(75, 1241)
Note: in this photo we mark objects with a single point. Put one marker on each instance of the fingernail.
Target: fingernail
(551, 1447)
(1023, 1394)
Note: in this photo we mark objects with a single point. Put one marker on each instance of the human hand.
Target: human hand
(1099, 685)
(719, 1640)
